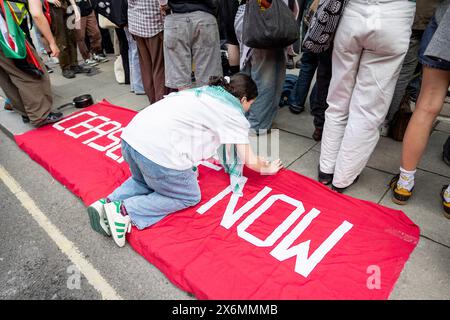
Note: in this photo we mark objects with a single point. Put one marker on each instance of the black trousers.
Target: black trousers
(323, 78)
(123, 45)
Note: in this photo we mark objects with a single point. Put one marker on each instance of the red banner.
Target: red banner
(82, 151)
(287, 237)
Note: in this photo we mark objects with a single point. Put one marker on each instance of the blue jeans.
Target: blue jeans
(268, 69)
(135, 68)
(431, 62)
(308, 65)
(152, 192)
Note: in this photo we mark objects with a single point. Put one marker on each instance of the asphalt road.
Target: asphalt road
(33, 266)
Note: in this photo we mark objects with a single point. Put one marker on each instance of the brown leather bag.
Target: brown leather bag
(401, 119)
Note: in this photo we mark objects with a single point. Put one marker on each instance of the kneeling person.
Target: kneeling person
(165, 141)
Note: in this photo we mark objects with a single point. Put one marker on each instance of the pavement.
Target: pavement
(33, 266)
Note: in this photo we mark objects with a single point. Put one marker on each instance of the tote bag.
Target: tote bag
(323, 25)
(274, 27)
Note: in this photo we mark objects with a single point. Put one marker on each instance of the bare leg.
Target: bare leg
(434, 88)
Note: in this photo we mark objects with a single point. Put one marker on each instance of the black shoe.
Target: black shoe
(341, 190)
(68, 73)
(317, 135)
(325, 178)
(51, 118)
(295, 109)
(298, 64)
(25, 119)
(290, 63)
(80, 69)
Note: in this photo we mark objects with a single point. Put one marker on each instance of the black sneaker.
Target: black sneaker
(298, 64)
(25, 119)
(80, 69)
(341, 190)
(51, 118)
(68, 73)
(325, 178)
(295, 109)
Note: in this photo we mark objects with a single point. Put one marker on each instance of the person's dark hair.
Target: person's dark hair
(241, 85)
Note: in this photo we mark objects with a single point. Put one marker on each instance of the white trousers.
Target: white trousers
(369, 47)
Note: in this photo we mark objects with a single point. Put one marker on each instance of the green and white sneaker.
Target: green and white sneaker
(119, 224)
(97, 217)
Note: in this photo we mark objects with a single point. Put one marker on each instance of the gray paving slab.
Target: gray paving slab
(288, 146)
(426, 274)
(11, 123)
(432, 158)
(371, 186)
(301, 124)
(131, 101)
(386, 155)
(425, 207)
(444, 126)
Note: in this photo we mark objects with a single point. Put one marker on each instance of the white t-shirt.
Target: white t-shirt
(183, 129)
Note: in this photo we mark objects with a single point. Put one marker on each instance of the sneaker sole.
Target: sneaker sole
(399, 202)
(94, 218)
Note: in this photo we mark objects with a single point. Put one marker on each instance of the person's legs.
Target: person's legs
(94, 34)
(267, 69)
(205, 47)
(434, 88)
(345, 61)
(135, 68)
(406, 75)
(80, 35)
(308, 66)
(35, 94)
(177, 51)
(134, 185)
(379, 68)
(146, 66)
(123, 44)
(11, 91)
(155, 47)
(319, 105)
(58, 29)
(168, 190)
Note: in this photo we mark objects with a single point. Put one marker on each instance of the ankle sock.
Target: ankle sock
(406, 180)
(447, 194)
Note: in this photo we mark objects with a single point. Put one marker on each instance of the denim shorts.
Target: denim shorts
(428, 61)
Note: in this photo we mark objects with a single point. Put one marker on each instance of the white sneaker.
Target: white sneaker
(99, 58)
(119, 225)
(97, 217)
(90, 63)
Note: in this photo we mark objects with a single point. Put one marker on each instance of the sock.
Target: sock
(406, 180)
(447, 194)
(234, 69)
(123, 210)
